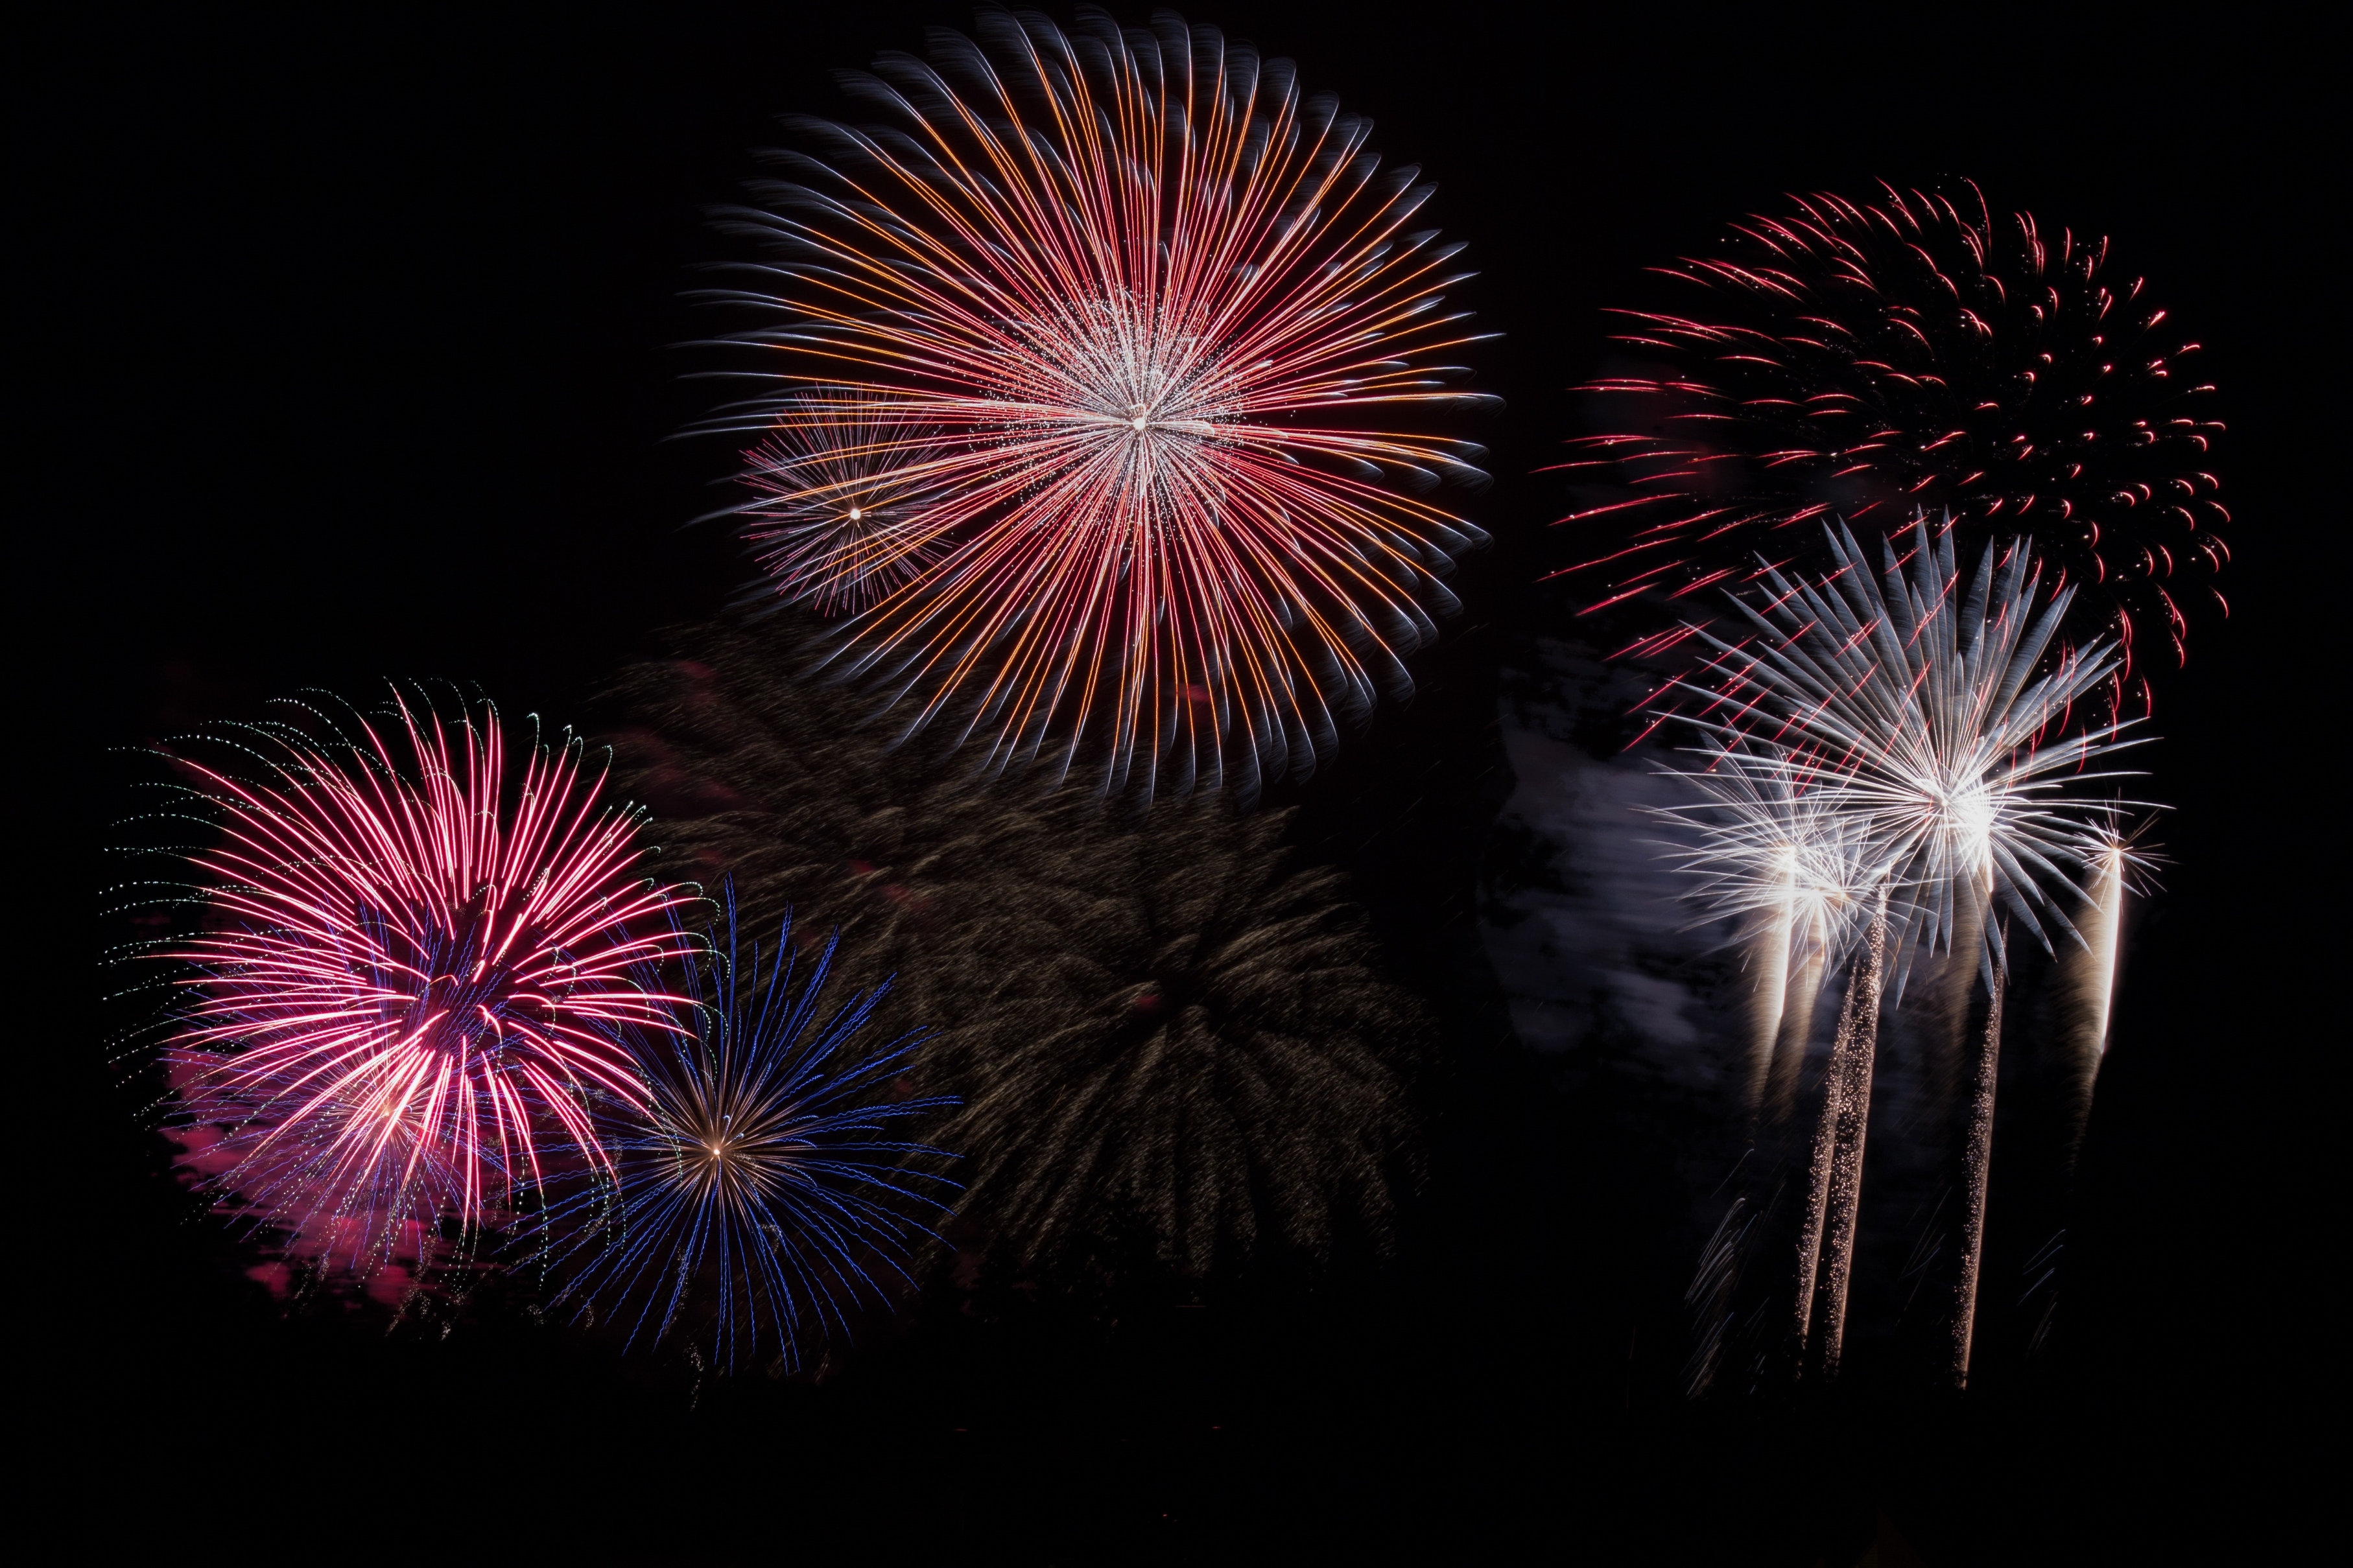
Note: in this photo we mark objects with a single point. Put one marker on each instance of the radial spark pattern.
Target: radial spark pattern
(1152, 312)
(1762, 840)
(404, 995)
(838, 515)
(1910, 698)
(1862, 360)
(1173, 1036)
(761, 1190)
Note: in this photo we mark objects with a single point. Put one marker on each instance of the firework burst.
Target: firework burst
(757, 1189)
(1794, 868)
(1173, 1034)
(1863, 360)
(837, 518)
(403, 997)
(1886, 740)
(1910, 697)
(1168, 1037)
(1145, 310)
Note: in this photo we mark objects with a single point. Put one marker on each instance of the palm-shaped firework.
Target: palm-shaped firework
(1897, 726)
(1913, 695)
(1147, 312)
(758, 1190)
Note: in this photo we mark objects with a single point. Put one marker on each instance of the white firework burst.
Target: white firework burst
(1768, 844)
(1910, 698)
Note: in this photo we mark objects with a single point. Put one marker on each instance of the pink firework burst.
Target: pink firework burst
(409, 983)
(1871, 360)
(1147, 312)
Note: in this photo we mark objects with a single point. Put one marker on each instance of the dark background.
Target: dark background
(352, 356)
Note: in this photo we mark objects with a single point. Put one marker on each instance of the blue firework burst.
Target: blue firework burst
(760, 1193)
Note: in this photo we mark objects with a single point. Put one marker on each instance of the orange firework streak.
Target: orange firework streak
(829, 518)
(1141, 300)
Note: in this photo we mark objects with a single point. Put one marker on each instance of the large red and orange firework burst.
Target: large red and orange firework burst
(1145, 312)
(406, 989)
(1866, 361)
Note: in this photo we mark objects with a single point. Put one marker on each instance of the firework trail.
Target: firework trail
(1909, 703)
(756, 1188)
(836, 520)
(2085, 981)
(1977, 1169)
(1145, 311)
(1834, 1200)
(2088, 977)
(403, 997)
(1786, 859)
(1862, 360)
(1801, 993)
(1768, 996)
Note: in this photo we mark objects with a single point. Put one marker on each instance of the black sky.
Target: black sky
(353, 355)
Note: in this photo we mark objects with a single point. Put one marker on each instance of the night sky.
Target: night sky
(355, 355)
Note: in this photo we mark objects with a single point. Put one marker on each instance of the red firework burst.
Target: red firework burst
(1866, 361)
(1143, 309)
(409, 979)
